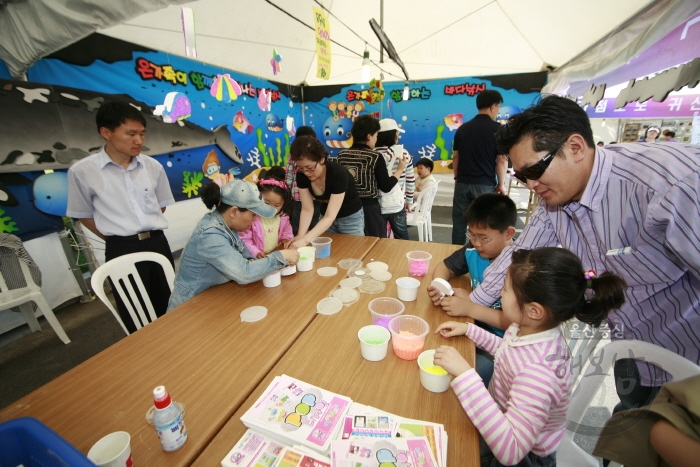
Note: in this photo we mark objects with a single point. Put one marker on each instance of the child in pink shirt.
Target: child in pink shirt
(264, 235)
(522, 414)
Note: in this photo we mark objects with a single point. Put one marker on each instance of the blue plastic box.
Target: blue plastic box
(29, 442)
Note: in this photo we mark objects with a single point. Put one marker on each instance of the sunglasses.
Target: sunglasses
(535, 171)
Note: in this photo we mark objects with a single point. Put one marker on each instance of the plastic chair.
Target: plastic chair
(24, 295)
(421, 217)
(120, 270)
(570, 454)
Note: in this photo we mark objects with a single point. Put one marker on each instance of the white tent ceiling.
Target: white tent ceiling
(437, 39)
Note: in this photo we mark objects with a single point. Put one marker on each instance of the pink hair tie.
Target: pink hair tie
(273, 182)
(589, 276)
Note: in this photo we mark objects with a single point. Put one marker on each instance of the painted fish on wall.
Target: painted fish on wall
(49, 127)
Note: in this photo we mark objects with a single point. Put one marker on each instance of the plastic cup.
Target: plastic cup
(374, 342)
(433, 378)
(383, 309)
(305, 265)
(307, 252)
(418, 263)
(407, 288)
(273, 280)
(408, 336)
(323, 246)
(114, 450)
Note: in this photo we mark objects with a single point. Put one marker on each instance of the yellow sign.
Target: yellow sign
(323, 44)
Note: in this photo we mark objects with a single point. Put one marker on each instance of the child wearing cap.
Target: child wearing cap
(215, 253)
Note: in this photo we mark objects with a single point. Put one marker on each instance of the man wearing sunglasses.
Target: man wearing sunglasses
(632, 209)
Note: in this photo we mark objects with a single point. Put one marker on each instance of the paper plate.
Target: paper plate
(350, 263)
(329, 306)
(327, 271)
(253, 314)
(347, 296)
(362, 273)
(351, 283)
(443, 286)
(377, 266)
(371, 286)
(381, 275)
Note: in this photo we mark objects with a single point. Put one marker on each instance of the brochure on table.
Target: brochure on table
(406, 452)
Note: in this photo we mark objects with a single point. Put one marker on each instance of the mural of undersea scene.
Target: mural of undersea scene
(204, 123)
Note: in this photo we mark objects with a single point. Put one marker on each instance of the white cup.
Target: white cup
(374, 342)
(407, 288)
(305, 265)
(273, 280)
(307, 252)
(289, 270)
(114, 450)
(429, 377)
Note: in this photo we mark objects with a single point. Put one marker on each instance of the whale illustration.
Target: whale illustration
(50, 127)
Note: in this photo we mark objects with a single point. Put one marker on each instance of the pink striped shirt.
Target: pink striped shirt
(524, 408)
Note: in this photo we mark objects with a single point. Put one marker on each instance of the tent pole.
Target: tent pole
(381, 25)
(303, 114)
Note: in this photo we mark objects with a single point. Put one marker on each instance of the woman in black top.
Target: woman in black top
(369, 170)
(329, 183)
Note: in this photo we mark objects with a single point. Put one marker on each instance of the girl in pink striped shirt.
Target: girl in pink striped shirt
(522, 415)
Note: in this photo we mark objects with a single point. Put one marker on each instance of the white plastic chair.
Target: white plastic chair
(570, 454)
(421, 217)
(30, 293)
(119, 270)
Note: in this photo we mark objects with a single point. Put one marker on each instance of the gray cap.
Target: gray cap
(244, 194)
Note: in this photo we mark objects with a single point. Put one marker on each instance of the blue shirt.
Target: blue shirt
(215, 254)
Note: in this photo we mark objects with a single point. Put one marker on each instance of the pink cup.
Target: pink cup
(418, 263)
(383, 309)
(408, 336)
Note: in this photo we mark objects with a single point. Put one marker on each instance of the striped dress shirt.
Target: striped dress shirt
(524, 408)
(639, 217)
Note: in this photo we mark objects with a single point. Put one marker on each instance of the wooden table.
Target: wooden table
(202, 353)
(327, 355)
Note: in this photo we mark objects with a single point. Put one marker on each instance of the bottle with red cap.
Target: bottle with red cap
(168, 420)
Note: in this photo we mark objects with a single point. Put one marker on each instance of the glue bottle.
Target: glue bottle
(168, 420)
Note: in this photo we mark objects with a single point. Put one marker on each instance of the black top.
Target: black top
(338, 180)
(475, 142)
(457, 262)
(368, 167)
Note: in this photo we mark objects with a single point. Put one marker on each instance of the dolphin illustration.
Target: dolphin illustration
(49, 127)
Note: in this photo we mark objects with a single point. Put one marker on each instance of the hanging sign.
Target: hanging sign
(323, 44)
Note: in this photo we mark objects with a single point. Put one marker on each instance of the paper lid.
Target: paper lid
(377, 266)
(329, 306)
(328, 271)
(350, 263)
(443, 286)
(253, 314)
(372, 286)
(381, 275)
(351, 283)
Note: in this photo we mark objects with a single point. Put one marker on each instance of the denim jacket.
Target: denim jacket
(215, 254)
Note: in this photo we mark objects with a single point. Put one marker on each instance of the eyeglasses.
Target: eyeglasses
(534, 172)
(481, 241)
(308, 170)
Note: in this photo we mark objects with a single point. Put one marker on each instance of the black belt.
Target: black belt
(138, 236)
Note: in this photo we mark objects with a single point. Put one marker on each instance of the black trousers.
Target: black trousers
(296, 216)
(151, 273)
(375, 224)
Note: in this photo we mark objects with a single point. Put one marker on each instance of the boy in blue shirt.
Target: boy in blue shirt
(490, 220)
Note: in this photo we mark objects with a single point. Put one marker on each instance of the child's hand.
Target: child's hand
(435, 295)
(260, 255)
(452, 328)
(461, 293)
(455, 306)
(448, 358)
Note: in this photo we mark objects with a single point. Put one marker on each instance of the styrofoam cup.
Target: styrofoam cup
(289, 270)
(418, 263)
(433, 378)
(407, 288)
(408, 336)
(273, 280)
(323, 246)
(305, 265)
(383, 309)
(374, 342)
(114, 450)
(307, 252)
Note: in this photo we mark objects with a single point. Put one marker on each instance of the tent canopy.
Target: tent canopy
(440, 39)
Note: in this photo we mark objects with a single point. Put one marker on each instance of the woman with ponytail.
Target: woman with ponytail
(522, 414)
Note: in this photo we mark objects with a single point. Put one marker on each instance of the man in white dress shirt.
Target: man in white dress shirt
(121, 195)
